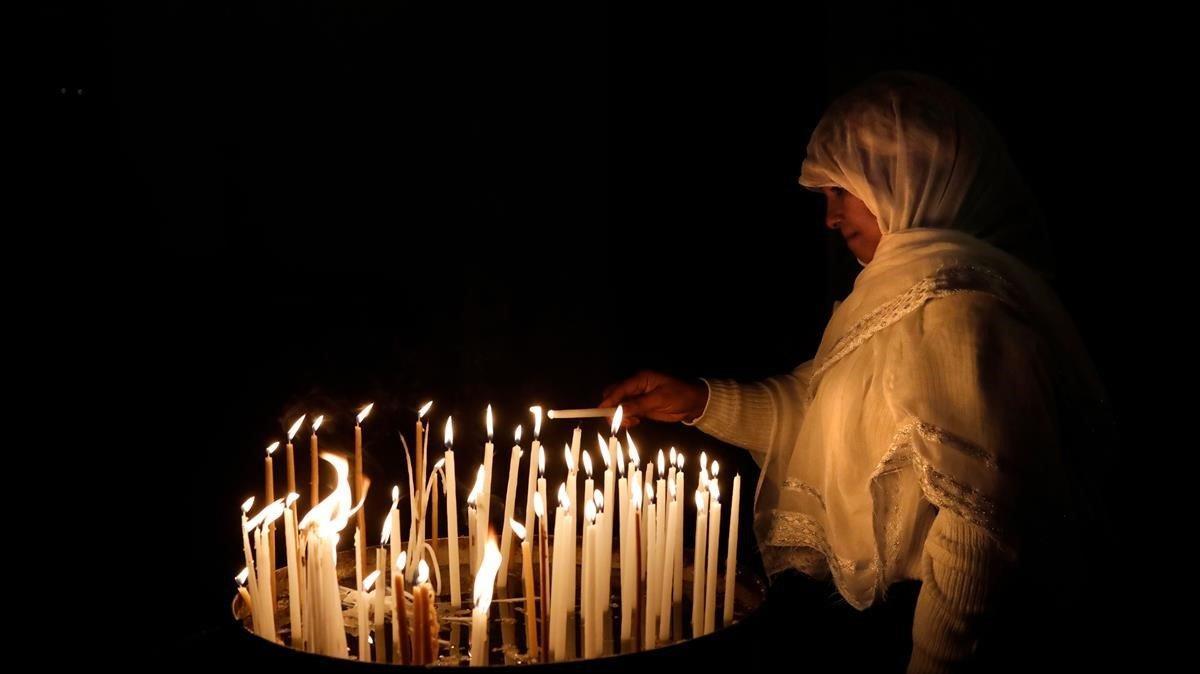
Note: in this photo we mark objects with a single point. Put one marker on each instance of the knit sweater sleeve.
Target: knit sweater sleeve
(748, 415)
(960, 568)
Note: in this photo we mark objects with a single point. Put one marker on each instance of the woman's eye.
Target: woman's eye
(837, 191)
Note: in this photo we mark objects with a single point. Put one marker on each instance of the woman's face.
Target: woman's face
(848, 215)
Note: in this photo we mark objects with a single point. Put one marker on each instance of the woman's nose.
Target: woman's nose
(833, 219)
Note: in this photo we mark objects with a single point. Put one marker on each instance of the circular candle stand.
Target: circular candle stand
(506, 628)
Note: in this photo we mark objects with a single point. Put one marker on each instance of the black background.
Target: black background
(316, 204)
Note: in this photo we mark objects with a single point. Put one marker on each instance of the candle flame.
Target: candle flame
(616, 424)
(538, 508)
(541, 461)
(247, 505)
(518, 529)
(395, 493)
(317, 423)
(485, 579)
(570, 458)
(292, 497)
(333, 512)
(672, 456)
(449, 434)
(369, 581)
(401, 561)
(365, 411)
(422, 572)
(604, 450)
(563, 501)
(636, 497)
(587, 462)
(714, 492)
(703, 462)
(716, 468)
(620, 460)
(385, 534)
(671, 488)
(537, 421)
(440, 462)
(268, 514)
(699, 500)
(589, 512)
(517, 435)
(272, 447)
(649, 491)
(679, 460)
(489, 423)
(296, 427)
(475, 491)
(662, 464)
(598, 497)
(242, 576)
(424, 410)
(633, 453)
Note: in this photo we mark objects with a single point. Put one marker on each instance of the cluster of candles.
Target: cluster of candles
(643, 504)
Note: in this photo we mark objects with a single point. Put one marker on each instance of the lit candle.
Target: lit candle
(392, 528)
(635, 554)
(473, 522)
(677, 574)
(531, 638)
(360, 605)
(452, 519)
(358, 468)
(543, 572)
(483, 504)
(606, 532)
(510, 497)
(731, 551)
(576, 439)
(668, 564)
(293, 570)
(325, 628)
(312, 447)
(269, 474)
(587, 593)
(714, 540)
(698, 563)
(623, 544)
(375, 599)
(589, 413)
(572, 483)
(381, 567)
(601, 550)
(252, 574)
(589, 484)
(401, 646)
(531, 487)
(653, 574)
(558, 582)
(484, 583)
(314, 478)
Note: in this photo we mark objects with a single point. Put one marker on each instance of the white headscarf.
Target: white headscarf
(950, 378)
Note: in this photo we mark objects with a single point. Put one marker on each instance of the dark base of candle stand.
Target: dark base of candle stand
(235, 645)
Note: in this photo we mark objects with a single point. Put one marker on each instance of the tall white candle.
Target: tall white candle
(514, 466)
(381, 566)
(731, 551)
(650, 601)
(668, 565)
(677, 575)
(293, 571)
(483, 504)
(531, 486)
(452, 519)
(698, 577)
(714, 541)
(364, 650)
(587, 593)
(525, 537)
(484, 583)
(252, 575)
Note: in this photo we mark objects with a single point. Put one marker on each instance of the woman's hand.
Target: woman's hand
(657, 396)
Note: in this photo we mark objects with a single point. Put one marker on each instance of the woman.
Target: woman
(933, 437)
